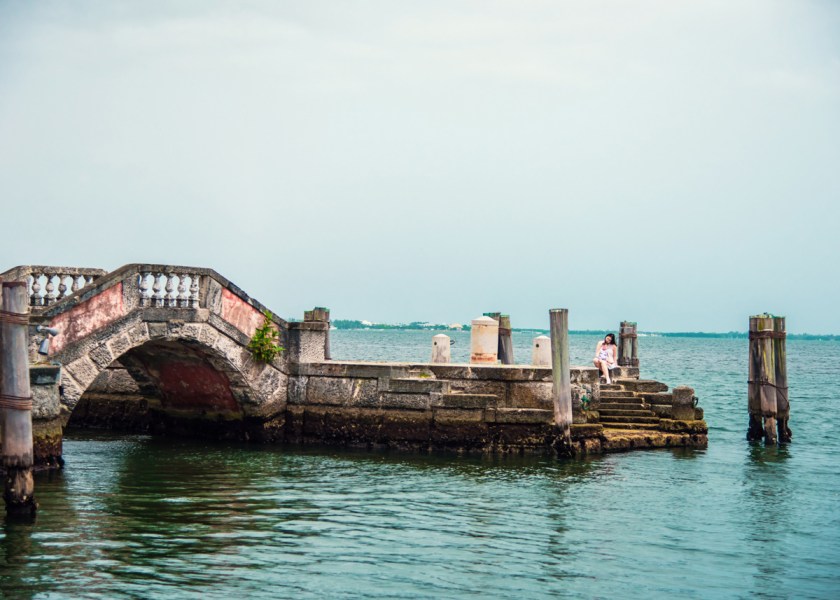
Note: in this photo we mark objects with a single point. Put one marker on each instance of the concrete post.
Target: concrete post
(562, 392)
(484, 341)
(16, 401)
(441, 349)
(541, 351)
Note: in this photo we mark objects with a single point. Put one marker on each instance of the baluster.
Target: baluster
(51, 293)
(62, 285)
(171, 292)
(183, 293)
(88, 280)
(36, 289)
(193, 291)
(145, 292)
(158, 290)
(75, 287)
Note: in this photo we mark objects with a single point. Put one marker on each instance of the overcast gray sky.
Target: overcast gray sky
(674, 163)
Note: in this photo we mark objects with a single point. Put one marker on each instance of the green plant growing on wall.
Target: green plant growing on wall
(264, 344)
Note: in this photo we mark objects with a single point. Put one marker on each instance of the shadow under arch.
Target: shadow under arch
(169, 385)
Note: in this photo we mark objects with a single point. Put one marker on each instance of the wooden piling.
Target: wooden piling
(780, 361)
(562, 390)
(505, 341)
(761, 391)
(16, 401)
(626, 339)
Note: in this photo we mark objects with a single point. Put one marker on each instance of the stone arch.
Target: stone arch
(197, 367)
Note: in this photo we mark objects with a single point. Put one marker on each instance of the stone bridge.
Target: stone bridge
(181, 333)
(164, 348)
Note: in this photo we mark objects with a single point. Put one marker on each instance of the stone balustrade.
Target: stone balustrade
(169, 289)
(48, 285)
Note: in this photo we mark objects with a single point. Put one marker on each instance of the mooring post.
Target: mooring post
(16, 401)
(505, 341)
(484, 341)
(761, 391)
(628, 345)
(541, 351)
(441, 348)
(562, 391)
(780, 361)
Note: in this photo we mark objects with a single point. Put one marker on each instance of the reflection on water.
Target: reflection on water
(139, 517)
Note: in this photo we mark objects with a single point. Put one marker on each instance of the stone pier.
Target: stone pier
(163, 349)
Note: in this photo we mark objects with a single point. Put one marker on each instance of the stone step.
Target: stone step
(460, 400)
(410, 385)
(611, 386)
(615, 394)
(634, 420)
(621, 412)
(632, 400)
(629, 426)
(619, 406)
(642, 385)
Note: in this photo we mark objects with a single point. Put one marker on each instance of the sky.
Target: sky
(671, 163)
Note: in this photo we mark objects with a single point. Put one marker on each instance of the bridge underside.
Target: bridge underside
(169, 386)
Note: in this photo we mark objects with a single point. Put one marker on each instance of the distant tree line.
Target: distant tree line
(424, 326)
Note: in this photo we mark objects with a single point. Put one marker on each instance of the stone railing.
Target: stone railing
(169, 288)
(47, 285)
(155, 286)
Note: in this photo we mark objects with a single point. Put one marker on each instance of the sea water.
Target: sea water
(140, 517)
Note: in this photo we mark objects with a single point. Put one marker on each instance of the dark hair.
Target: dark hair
(610, 335)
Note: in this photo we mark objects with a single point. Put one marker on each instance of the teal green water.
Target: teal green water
(139, 517)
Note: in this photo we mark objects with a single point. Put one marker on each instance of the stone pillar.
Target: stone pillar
(484, 341)
(441, 349)
(682, 406)
(309, 340)
(541, 351)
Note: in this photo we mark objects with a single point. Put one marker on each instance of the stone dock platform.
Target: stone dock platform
(425, 407)
(164, 349)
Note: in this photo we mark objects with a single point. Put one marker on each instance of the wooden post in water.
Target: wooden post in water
(16, 401)
(628, 347)
(562, 391)
(780, 360)
(505, 341)
(761, 391)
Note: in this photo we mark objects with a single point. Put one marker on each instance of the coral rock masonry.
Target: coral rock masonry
(164, 349)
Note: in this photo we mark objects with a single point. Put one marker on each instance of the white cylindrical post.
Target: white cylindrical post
(441, 349)
(484, 341)
(541, 352)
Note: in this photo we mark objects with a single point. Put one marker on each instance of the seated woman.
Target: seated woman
(606, 356)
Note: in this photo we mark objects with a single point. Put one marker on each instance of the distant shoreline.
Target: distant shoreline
(345, 324)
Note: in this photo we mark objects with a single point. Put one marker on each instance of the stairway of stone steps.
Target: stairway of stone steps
(622, 409)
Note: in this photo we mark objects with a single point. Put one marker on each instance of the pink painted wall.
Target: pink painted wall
(90, 315)
(240, 314)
